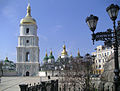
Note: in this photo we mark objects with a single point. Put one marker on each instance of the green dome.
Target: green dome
(46, 58)
(6, 60)
(51, 56)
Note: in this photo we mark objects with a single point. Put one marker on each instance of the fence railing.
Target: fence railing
(43, 86)
(53, 86)
(64, 87)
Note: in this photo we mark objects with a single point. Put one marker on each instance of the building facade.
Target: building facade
(8, 65)
(63, 62)
(28, 47)
(101, 54)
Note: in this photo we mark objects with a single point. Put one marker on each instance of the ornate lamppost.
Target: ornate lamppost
(110, 37)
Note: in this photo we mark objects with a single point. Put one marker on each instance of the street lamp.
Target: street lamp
(113, 11)
(92, 23)
(108, 37)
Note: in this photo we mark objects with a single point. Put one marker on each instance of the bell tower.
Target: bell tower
(28, 48)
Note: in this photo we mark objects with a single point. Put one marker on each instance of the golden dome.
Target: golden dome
(71, 56)
(28, 19)
(64, 52)
(51, 52)
(46, 54)
(78, 53)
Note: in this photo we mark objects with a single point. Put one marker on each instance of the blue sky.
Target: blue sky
(57, 20)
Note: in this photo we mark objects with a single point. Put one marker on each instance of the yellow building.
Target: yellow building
(101, 54)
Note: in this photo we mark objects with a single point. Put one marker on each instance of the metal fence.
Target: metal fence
(91, 88)
(53, 86)
(43, 86)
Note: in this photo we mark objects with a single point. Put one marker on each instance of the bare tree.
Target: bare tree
(1, 69)
(76, 74)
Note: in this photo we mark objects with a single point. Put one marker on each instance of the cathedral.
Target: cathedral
(28, 51)
(53, 68)
(28, 47)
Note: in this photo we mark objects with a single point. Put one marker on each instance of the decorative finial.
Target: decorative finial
(46, 53)
(50, 51)
(64, 52)
(28, 9)
(78, 53)
(64, 47)
(71, 55)
(6, 58)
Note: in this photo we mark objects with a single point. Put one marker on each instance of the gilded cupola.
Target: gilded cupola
(64, 52)
(28, 18)
(78, 53)
(71, 56)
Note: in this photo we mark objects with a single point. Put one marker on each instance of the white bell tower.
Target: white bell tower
(28, 48)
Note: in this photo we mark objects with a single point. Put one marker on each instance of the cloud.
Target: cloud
(43, 37)
(9, 12)
(57, 28)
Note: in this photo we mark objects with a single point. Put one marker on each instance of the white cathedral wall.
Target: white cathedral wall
(51, 60)
(33, 41)
(34, 54)
(64, 56)
(32, 68)
(32, 30)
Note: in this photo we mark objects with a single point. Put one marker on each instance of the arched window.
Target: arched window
(27, 57)
(27, 30)
(27, 41)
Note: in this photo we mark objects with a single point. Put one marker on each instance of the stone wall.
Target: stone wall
(9, 73)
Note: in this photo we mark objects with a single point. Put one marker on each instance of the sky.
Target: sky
(58, 21)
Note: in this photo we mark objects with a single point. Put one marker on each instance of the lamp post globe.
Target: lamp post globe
(113, 11)
(92, 22)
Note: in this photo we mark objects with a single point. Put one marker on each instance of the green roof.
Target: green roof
(6, 60)
(51, 57)
(46, 58)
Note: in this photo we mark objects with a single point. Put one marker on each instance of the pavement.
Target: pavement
(12, 83)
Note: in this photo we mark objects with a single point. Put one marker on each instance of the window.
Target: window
(103, 60)
(96, 71)
(99, 66)
(99, 55)
(27, 41)
(99, 72)
(102, 55)
(96, 66)
(99, 60)
(107, 53)
(27, 56)
(27, 30)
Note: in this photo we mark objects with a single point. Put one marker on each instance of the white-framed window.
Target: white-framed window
(27, 56)
(99, 66)
(27, 30)
(27, 41)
